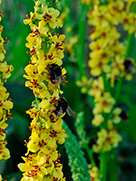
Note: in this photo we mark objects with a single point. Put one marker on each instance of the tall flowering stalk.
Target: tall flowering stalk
(44, 75)
(5, 102)
(109, 63)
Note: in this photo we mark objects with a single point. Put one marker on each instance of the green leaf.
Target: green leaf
(80, 128)
(77, 162)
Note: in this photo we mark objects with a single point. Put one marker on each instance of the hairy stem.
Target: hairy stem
(90, 155)
(113, 166)
(103, 165)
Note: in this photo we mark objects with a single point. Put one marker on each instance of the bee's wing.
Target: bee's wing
(71, 112)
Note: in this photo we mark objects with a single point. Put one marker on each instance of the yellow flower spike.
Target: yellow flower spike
(5, 103)
(107, 58)
(44, 75)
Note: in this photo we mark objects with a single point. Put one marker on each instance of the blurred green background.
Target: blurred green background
(14, 12)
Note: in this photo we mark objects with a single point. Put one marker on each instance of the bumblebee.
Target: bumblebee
(55, 74)
(129, 67)
(124, 115)
(62, 107)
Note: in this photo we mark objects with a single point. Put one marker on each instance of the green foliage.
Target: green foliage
(14, 12)
(77, 161)
(80, 129)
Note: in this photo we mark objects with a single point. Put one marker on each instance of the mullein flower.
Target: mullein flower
(107, 58)
(87, 2)
(44, 75)
(103, 105)
(69, 44)
(107, 62)
(84, 84)
(107, 139)
(97, 87)
(128, 18)
(5, 102)
(97, 120)
(106, 47)
(94, 173)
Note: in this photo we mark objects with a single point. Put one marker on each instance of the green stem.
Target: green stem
(91, 99)
(90, 155)
(113, 166)
(118, 90)
(104, 124)
(81, 31)
(106, 86)
(103, 165)
(129, 40)
(104, 155)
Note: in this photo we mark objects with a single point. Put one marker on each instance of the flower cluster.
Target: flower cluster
(69, 45)
(68, 29)
(128, 18)
(84, 83)
(105, 46)
(87, 2)
(5, 102)
(94, 173)
(109, 63)
(107, 139)
(44, 75)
